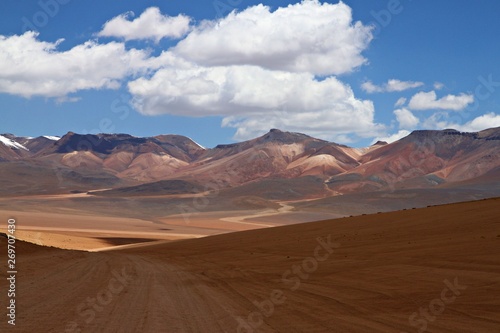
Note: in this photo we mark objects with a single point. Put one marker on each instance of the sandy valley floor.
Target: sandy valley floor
(435, 269)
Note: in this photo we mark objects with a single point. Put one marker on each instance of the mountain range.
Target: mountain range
(278, 165)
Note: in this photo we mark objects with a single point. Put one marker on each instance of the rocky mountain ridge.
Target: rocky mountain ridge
(422, 159)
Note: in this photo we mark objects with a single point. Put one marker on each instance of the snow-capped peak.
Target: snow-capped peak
(50, 137)
(11, 143)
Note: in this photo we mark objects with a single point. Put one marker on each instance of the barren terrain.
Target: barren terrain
(435, 269)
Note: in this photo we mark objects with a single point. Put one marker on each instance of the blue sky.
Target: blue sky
(350, 72)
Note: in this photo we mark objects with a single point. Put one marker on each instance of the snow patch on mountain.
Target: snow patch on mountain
(50, 137)
(11, 143)
(197, 143)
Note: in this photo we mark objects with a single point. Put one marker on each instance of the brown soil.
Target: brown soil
(382, 269)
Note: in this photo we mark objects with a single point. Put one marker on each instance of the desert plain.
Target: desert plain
(432, 269)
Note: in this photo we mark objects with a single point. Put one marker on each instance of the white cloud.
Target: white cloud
(488, 120)
(305, 37)
(406, 119)
(151, 24)
(29, 67)
(391, 138)
(400, 102)
(440, 121)
(438, 85)
(391, 86)
(253, 99)
(343, 125)
(257, 69)
(397, 85)
(371, 88)
(429, 100)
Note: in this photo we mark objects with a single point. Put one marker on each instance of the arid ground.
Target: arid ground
(434, 269)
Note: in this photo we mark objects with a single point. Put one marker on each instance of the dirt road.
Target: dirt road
(285, 208)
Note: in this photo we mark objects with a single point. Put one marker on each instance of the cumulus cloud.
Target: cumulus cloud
(391, 138)
(151, 24)
(256, 69)
(400, 102)
(321, 39)
(429, 101)
(29, 67)
(406, 119)
(391, 86)
(488, 120)
(440, 120)
(253, 99)
(371, 88)
(343, 124)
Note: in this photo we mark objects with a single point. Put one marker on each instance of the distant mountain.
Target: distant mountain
(423, 159)
(123, 155)
(275, 154)
(15, 148)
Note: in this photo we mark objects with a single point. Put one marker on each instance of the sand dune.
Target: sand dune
(434, 269)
